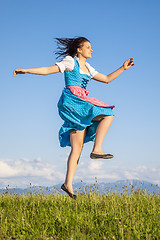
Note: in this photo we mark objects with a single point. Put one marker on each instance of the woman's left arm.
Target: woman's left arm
(110, 77)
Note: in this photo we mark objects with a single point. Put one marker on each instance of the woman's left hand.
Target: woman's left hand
(127, 64)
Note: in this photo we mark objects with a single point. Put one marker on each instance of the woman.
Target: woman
(85, 119)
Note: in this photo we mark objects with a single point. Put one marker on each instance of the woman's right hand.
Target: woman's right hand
(19, 71)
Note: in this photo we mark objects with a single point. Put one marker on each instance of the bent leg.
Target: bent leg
(76, 139)
(102, 129)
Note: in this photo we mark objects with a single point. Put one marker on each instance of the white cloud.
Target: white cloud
(131, 175)
(21, 172)
(109, 172)
(95, 165)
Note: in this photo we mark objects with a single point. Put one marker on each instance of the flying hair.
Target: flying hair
(68, 46)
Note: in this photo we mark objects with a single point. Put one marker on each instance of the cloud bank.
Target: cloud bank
(22, 172)
(103, 172)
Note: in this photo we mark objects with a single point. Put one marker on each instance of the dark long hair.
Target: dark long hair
(68, 46)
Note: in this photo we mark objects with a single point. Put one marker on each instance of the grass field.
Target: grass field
(92, 216)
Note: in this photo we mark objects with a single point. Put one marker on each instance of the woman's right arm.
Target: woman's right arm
(40, 70)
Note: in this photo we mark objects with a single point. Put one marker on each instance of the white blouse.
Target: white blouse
(67, 64)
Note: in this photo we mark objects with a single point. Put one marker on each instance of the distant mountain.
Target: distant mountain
(81, 187)
(119, 187)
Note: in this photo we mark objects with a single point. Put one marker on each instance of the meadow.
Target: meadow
(134, 215)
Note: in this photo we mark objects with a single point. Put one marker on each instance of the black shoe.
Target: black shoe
(69, 193)
(104, 156)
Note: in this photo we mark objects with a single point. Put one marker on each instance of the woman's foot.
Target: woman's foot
(72, 195)
(100, 154)
(69, 188)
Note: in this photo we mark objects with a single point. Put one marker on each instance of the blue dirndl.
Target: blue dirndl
(76, 112)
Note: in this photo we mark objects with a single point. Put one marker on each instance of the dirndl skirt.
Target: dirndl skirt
(77, 111)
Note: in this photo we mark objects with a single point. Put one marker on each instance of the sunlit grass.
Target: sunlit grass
(92, 216)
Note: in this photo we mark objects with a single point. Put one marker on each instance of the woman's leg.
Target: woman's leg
(77, 140)
(102, 129)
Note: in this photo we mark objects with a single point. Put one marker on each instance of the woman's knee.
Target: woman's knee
(101, 117)
(77, 147)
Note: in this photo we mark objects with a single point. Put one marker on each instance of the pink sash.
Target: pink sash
(82, 93)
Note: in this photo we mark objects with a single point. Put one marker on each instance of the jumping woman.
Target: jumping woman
(85, 118)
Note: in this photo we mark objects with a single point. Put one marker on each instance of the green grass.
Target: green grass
(91, 216)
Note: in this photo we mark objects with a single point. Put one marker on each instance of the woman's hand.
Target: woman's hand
(19, 71)
(127, 64)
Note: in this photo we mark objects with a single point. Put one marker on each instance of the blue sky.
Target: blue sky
(29, 120)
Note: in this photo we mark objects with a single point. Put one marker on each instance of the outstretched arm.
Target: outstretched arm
(40, 70)
(110, 77)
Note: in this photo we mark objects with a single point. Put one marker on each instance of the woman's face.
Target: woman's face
(85, 50)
